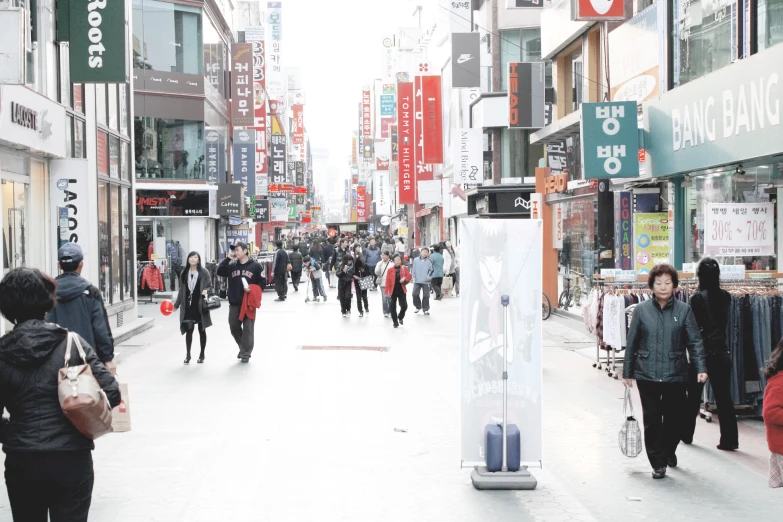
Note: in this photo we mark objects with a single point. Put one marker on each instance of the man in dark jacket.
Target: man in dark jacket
(345, 283)
(296, 267)
(339, 253)
(80, 307)
(327, 260)
(280, 270)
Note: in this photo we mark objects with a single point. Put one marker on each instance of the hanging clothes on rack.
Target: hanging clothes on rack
(151, 278)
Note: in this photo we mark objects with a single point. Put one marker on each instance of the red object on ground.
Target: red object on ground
(166, 307)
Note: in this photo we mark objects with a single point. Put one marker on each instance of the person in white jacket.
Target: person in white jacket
(381, 268)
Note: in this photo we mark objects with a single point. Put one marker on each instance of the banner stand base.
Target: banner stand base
(503, 480)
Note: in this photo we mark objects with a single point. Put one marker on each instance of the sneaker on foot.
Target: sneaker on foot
(361, 314)
(659, 473)
(417, 311)
(672, 461)
(426, 312)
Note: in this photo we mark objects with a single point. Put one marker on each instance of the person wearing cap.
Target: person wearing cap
(242, 272)
(80, 307)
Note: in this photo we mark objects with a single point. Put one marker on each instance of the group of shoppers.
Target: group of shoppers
(673, 349)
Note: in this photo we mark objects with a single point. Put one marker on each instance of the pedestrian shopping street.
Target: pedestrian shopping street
(373, 434)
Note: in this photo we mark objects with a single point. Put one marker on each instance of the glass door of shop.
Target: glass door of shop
(13, 219)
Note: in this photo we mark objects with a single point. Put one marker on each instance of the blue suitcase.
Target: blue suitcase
(494, 447)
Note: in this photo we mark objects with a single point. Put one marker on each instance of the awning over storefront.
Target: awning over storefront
(558, 131)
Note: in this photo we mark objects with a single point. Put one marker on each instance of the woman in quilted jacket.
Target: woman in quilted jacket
(773, 415)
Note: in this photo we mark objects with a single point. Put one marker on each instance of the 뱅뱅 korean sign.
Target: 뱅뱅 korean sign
(610, 140)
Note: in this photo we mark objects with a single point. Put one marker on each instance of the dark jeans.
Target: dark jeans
(436, 283)
(418, 302)
(662, 409)
(281, 285)
(242, 331)
(719, 370)
(296, 277)
(385, 300)
(361, 297)
(316, 283)
(57, 483)
(403, 299)
(344, 294)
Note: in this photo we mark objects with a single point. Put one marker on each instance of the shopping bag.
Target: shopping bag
(365, 283)
(630, 437)
(121, 419)
(448, 284)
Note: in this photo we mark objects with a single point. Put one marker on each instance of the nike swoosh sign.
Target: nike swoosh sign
(462, 59)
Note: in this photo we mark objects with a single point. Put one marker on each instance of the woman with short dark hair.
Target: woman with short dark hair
(662, 329)
(48, 463)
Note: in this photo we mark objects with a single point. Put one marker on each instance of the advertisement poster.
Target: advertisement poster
(500, 257)
(242, 106)
(278, 172)
(297, 125)
(739, 229)
(622, 230)
(279, 211)
(387, 105)
(237, 234)
(432, 119)
(245, 159)
(651, 240)
(635, 54)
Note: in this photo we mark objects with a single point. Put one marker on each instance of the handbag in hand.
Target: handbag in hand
(82, 399)
(365, 283)
(210, 302)
(630, 437)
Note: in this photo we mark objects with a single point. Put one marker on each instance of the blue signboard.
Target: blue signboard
(610, 140)
(387, 105)
(245, 160)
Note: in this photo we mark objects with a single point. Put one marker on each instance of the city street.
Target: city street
(304, 432)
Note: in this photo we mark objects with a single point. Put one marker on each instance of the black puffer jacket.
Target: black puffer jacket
(296, 260)
(30, 357)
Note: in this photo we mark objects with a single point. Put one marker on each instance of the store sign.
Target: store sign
(367, 150)
(459, 16)
(380, 192)
(299, 174)
(278, 159)
(361, 203)
(728, 116)
(387, 105)
(513, 202)
(557, 225)
(262, 211)
(636, 52)
(366, 112)
(526, 100)
(97, 55)
(297, 125)
(32, 121)
(556, 183)
(405, 115)
(465, 60)
(245, 159)
(243, 105)
(382, 153)
(536, 205)
(68, 190)
(600, 10)
(229, 197)
(255, 35)
(215, 156)
(395, 147)
(739, 229)
(181, 203)
(424, 171)
(651, 240)
(432, 119)
(610, 140)
(468, 156)
(622, 230)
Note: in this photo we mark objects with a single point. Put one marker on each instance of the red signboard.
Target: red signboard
(366, 112)
(599, 10)
(405, 137)
(423, 170)
(385, 124)
(361, 203)
(297, 128)
(432, 119)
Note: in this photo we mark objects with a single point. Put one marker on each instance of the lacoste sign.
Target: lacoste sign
(97, 48)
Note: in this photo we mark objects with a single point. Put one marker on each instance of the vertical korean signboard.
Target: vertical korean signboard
(278, 158)
(255, 36)
(432, 119)
(366, 112)
(297, 127)
(405, 132)
(361, 203)
(622, 230)
(242, 106)
(274, 22)
(97, 55)
(610, 140)
(245, 159)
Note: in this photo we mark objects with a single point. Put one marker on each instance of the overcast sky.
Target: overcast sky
(338, 46)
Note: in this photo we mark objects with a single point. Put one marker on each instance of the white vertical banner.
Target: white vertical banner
(468, 156)
(500, 257)
(557, 225)
(380, 192)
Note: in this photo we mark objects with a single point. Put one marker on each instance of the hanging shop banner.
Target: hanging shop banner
(274, 21)
(407, 174)
(598, 10)
(382, 153)
(68, 190)
(299, 173)
(424, 172)
(262, 176)
(292, 212)
(465, 61)
(215, 156)
(245, 159)
(262, 211)
(278, 158)
(96, 54)
(536, 205)
(739, 229)
(500, 257)
(229, 197)
(279, 211)
(469, 156)
(347, 193)
(387, 105)
(636, 53)
(651, 240)
(622, 231)
(256, 39)
(432, 119)
(354, 150)
(380, 192)
(172, 202)
(297, 125)
(394, 142)
(361, 203)
(557, 225)
(386, 124)
(610, 140)
(526, 96)
(242, 106)
(366, 111)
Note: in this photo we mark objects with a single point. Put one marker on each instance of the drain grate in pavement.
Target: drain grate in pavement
(351, 348)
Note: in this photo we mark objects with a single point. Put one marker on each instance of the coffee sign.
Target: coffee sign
(97, 54)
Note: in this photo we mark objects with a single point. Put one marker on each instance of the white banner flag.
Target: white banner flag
(468, 157)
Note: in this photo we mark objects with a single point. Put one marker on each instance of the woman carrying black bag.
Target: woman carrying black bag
(195, 286)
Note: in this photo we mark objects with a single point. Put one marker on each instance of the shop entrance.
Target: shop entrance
(13, 220)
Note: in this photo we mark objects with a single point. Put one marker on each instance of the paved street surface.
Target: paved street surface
(309, 434)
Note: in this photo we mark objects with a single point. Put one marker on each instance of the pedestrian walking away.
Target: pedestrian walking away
(397, 279)
(662, 329)
(280, 269)
(244, 277)
(80, 307)
(773, 415)
(195, 285)
(361, 270)
(436, 280)
(381, 270)
(296, 267)
(344, 284)
(48, 463)
(711, 310)
(422, 273)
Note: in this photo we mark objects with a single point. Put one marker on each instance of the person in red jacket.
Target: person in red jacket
(773, 415)
(396, 280)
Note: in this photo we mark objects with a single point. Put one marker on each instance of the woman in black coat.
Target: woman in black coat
(196, 284)
(48, 462)
(361, 270)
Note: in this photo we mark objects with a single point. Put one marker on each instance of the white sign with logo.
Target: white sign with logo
(739, 229)
(381, 192)
(557, 225)
(32, 120)
(468, 157)
(68, 190)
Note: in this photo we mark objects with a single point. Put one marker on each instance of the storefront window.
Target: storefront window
(124, 160)
(578, 257)
(167, 37)
(114, 157)
(770, 23)
(100, 102)
(169, 149)
(113, 108)
(103, 239)
(705, 38)
(124, 109)
(214, 58)
(78, 139)
(518, 45)
(518, 157)
(78, 97)
(65, 91)
(116, 245)
(577, 81)
(69, 136)
(102, 153)
(126, 243)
